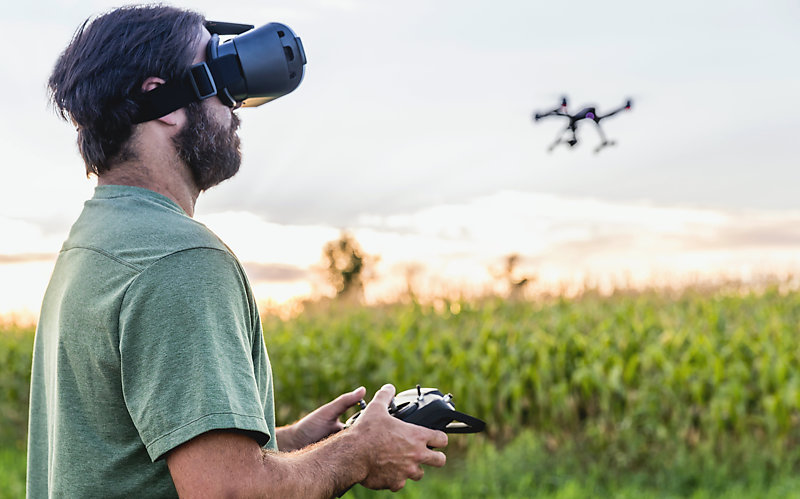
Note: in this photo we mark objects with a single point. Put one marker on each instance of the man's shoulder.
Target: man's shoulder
(138, 229)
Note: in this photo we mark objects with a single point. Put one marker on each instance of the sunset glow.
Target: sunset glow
(421, 144)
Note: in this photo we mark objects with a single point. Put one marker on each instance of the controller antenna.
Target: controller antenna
(419, 392)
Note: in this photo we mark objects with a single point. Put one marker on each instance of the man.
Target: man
(150, 373)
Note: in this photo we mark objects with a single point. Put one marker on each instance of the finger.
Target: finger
(435, 458)
(397, 486)
(382, 398)
(437, 439)
(345, 401)
(417, 474)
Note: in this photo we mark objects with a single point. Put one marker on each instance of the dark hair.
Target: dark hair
(103, 68)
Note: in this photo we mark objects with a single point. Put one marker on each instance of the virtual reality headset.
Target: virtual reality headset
(254, 67)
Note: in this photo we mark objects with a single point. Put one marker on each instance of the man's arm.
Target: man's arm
(379, 451)
(319, 424)
(226, 464)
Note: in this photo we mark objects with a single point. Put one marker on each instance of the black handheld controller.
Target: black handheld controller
(427, 407)
(430, 408)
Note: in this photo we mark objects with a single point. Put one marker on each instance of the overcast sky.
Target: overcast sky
(413, 128)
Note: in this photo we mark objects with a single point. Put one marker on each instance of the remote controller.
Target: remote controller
(430, 408)
(427, 407)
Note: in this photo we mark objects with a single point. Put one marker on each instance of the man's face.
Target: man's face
(208, 143)
(209, 148)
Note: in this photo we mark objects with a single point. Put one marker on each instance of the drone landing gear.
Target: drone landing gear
(560, 140)
(603, 144)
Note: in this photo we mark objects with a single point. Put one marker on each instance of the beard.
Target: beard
(209, 149)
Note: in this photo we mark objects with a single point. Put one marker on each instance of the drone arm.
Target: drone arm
(626, 107)
(554, 112)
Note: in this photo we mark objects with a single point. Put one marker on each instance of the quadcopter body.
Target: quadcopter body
(569, 135)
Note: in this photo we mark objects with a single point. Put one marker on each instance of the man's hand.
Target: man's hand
(379, 451)
(396, 449)
(320, 423)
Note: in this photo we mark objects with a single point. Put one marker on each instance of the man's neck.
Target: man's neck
(168, 178)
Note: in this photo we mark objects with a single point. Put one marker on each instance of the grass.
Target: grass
(649, 394)
(12, 472)
(643, 380)
(523, 469)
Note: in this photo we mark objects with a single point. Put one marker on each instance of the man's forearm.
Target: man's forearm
(222, 464)
(324, 469)
(379, 451)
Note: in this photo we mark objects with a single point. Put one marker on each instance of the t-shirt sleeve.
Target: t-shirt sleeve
(186, 342)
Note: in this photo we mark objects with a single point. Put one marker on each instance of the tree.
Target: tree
(346, 264)
(516, 285)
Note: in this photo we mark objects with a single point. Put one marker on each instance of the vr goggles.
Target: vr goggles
(250, 69)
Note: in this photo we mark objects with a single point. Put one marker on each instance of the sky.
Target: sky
(412, 129)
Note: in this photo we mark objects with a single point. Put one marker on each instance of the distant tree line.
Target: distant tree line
(347, 267)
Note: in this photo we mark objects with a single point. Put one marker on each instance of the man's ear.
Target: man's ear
(149, 84)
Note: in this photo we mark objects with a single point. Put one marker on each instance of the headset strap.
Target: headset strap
(199, 82)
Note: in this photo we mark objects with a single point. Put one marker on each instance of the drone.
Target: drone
(587, 113)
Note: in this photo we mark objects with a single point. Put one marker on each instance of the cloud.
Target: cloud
(23, 239)
(26, 258)
(756, 232)
(274, 272)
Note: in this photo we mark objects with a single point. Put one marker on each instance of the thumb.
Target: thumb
(382, 398)
(345, 401)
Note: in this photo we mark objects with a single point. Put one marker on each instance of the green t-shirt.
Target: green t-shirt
(148, 336)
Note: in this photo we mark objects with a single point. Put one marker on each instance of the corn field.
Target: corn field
(669, 387)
